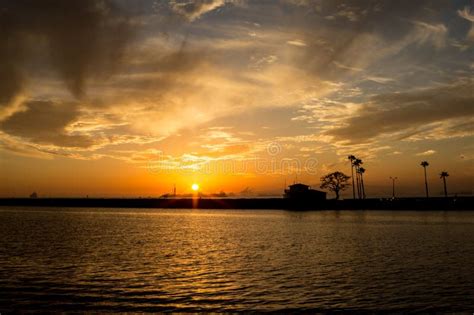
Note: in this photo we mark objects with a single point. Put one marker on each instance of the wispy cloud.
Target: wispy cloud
(433, 33)
(296, 42)
(194, 9)
(426, 153)
(467, 15)
(380, 80)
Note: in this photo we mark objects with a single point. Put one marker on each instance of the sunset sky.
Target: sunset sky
(128, 98)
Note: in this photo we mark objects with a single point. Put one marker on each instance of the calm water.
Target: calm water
(191, 260)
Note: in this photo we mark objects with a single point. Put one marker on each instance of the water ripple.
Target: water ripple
(184, 260)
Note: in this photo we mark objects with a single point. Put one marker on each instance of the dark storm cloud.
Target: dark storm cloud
(396, 112)
(44, 122)
(82, 38)
(336, 29)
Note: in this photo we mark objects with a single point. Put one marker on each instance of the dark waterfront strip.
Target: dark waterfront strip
(458, 203)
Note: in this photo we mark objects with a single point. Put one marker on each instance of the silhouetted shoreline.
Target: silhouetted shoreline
(441, 203)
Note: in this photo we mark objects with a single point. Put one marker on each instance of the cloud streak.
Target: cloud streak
(398, 112)
(426, 153)
(467, 15)
(193, 10)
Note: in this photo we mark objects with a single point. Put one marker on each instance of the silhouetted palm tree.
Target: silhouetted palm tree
(443, 175)
(352, 159)
(425, 164)
(357, 164)
(361, 172)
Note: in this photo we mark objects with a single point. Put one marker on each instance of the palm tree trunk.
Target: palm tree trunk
(426, 184)
(357, 183)
(362, 185)
(445, 190)
(353, 187)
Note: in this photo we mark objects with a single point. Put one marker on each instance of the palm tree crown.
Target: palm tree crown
(424, 163)
(443, 174)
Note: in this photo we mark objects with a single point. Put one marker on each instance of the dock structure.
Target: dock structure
(300, 191)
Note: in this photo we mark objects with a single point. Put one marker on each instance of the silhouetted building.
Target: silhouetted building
(34, 195)
(302, 191)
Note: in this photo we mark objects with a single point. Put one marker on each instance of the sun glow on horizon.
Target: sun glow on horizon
(195, 187)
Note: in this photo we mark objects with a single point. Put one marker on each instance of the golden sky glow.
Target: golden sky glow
(124, 98)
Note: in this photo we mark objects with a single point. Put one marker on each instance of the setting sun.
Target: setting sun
(195, 187)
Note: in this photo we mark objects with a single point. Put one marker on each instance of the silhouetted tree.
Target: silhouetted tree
(357, 164)
(361, 174)
(352, 159)
(443, 175)
(425, 164)
(335, 182)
